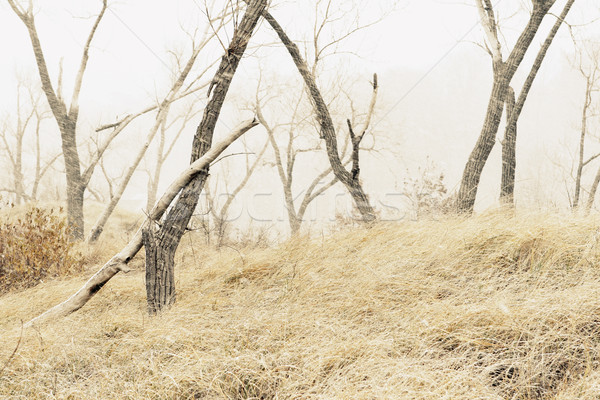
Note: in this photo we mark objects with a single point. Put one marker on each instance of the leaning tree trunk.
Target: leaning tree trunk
(503, 74)
(350, 180)
(162, 241)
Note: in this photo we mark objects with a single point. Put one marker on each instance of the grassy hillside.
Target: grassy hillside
(493, 307)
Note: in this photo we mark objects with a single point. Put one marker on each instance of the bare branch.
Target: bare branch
(74, 108)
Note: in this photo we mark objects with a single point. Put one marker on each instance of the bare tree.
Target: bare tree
(286, 155)
(504, 71)
(159, 124)
(65, 117)
(29, 116)
(589, 68)
(350, 179)
(220, 213)
(164, 149)
(161, 240)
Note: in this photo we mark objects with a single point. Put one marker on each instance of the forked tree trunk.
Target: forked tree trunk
(503, 74)
(514, 110)
(581, 163)
(164, 240)
(66, 118)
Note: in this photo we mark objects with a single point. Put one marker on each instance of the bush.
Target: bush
(426, 192)
(34, 247)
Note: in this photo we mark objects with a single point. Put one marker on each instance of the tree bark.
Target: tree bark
(119, 261)
(165, 240)
(503, 74)
(509, 156)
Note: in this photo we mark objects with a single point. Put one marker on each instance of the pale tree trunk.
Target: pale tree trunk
(352, 183)
(163, 241)
(507, 185)
(162, 154)
(154, 179)
(18, 170)
(15, 153)
(581, 162)
(120, 261)
(221, 217)
(503, 74)
(116, 196)
(66, 119)
(285, 174)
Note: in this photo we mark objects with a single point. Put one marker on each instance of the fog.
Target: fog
(433, 72)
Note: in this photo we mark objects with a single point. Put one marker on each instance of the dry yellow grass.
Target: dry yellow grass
(492, 307)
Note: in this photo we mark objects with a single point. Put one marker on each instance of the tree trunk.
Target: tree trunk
(584, 122)
(75, 187)
(165, 240)
(503, 74)
(160, 274)
(509, 157)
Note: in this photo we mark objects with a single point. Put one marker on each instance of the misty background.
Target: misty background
(434, 76)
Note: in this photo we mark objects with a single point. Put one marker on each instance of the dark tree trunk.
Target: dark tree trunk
(509, 156)
(503, 74)
(165, 240)
(160, 283)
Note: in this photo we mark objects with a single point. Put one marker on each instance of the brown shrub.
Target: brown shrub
(33, 247)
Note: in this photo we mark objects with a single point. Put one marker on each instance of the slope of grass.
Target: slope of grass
(492, 307)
